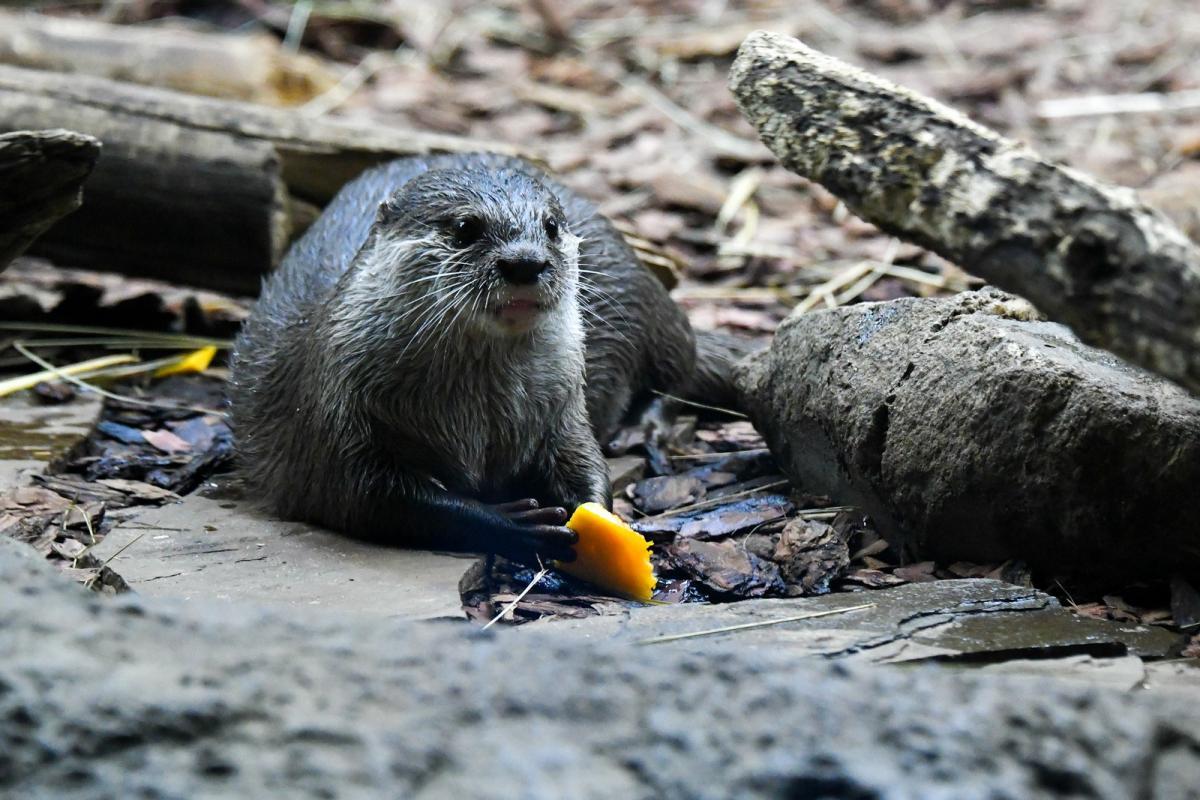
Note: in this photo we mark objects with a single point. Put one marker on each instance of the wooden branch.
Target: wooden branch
(41, 175)
(192, 189)
(1087, 254)
(251, 67)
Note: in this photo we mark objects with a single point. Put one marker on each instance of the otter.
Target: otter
(437, 358)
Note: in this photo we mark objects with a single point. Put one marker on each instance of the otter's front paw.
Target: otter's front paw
(538, 533)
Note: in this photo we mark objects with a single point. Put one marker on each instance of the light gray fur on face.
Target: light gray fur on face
(409, 351)
(467, 223)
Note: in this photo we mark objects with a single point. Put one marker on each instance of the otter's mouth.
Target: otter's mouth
(519, 312)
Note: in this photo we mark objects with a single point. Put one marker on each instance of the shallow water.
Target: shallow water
(33, 432)
(34, 441)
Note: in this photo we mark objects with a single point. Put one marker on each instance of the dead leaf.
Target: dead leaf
(726, 570)
(655, 495)
(166, 441)
(810, 556)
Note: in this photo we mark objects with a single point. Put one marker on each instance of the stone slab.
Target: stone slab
(961, 620)
(208, 550)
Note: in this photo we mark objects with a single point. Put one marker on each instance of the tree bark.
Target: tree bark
(1090, 255)
(192, 189)
(41, 175)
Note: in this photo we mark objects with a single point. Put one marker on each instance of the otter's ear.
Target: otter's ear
(389, 211)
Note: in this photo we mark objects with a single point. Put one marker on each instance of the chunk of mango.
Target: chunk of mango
(610, 554)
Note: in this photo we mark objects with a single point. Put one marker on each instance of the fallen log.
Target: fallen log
(191, 189)
(41, 175)
(252, 67)
(1090, 255)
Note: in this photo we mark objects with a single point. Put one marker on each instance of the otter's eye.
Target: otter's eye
(466, 231)
(551, 227)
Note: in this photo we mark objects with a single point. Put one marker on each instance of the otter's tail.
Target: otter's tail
(712, 382)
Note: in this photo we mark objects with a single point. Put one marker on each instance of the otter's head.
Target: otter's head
(486, 249)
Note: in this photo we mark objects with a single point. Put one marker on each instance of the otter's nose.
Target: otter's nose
(522, 270)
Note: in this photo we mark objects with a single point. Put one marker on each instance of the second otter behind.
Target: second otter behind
(436, 358)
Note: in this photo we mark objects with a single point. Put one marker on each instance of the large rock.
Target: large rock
(123, 697)
(971, 430)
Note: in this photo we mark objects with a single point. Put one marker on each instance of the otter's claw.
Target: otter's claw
(547, 542)
(551, 515)
(528, 512)
(540, 532)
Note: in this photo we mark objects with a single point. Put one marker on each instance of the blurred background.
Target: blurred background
(627, 102)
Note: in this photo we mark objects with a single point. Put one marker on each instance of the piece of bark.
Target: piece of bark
(1090, 255)
(248, 67)
(191, 189)
(41, 179)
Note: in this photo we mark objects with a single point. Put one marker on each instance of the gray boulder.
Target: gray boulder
(972, 430)
(115, 698)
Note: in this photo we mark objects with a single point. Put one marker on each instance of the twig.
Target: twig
(819, 513)
(1067, 594)
(297, 23)
(694, 404)
(916, 276)
(1100, 104)
(182, 339)
(116, 342)
(753, 294)
(719, 455)
(508, 608)
(718, 138)
(350, 83)
(824, 292)
(716, 500)
(41, 362)
(741, 190)
(675, 637)
(22, 382)
(862, 276)
(87, 521)
(108, 560)
(860, 286)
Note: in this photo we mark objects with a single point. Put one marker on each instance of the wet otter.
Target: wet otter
(414, 371)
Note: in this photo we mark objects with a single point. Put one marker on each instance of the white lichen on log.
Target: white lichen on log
(1090, 255)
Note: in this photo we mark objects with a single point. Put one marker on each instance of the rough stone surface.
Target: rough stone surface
(972, 431)
(129, 697)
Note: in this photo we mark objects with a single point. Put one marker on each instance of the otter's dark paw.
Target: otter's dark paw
(528, 512)
(540, 532)
(545, 543)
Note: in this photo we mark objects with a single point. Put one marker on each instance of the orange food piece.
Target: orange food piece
(610, 554)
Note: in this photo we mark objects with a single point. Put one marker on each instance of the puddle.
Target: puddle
(32, 432)
(34, 441)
